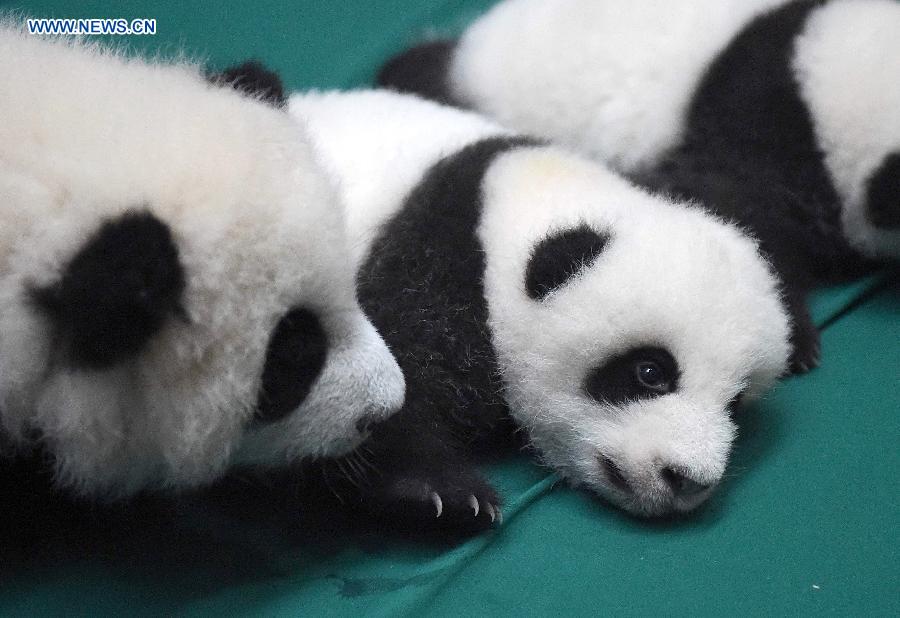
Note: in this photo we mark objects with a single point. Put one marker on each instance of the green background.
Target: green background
(806, 523)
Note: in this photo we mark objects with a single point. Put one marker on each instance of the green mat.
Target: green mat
(807, 523)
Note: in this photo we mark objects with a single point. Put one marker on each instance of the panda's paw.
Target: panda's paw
(807, 348)
(462, 502)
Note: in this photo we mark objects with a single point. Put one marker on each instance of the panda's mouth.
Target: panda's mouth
(614, 474)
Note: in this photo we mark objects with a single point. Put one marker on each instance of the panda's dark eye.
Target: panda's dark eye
(642, 373)
(651, 375)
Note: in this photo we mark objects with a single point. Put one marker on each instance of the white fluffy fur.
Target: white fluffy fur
(671, 276)
(376, 160)
(847, 63)
(88, 134)
(612, 78)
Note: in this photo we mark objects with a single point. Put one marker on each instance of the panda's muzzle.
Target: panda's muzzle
(667, 485)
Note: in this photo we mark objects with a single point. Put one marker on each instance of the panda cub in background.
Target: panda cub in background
(782, 116)
(518, 282)
(176, 298)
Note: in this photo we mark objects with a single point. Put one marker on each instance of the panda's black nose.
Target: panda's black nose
(682, 485)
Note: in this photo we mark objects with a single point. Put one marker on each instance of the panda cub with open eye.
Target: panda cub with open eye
(520, 284)
(176, 298)
(781, 115)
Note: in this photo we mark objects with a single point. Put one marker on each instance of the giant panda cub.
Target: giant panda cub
(783, 116)
(516, 281)
(176, 297)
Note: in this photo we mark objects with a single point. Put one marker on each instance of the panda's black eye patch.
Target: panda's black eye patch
(294, 359)
(883, 195)
(561, 256)
(642, 373)
(117, 291)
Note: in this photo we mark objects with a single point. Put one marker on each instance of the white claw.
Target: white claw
(438, 503)
(490, 511)
(473, 502)
(499, 515)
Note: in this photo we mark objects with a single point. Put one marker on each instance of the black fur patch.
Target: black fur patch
(561, 256)
(116, 292)
(751, 154)
(422, 287)
(294, 359)
(749, 105)
(421, 70)
(255, 79)
(618, 381)
(883, 195)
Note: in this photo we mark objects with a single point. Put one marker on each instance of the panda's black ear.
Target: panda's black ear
(116, 292)
(255, 79)
(559, 257)
(883, 195)
(421, 70)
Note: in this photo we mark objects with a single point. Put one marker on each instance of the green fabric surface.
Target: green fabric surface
(312, 44)
(807, 522)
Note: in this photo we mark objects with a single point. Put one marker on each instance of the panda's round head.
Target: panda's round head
(627, 328)
(176, 297)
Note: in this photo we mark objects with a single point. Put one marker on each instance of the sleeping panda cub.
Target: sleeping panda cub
(782, 116)
(519, 284)
(176, 297)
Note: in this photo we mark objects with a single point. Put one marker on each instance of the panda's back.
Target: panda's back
(611, 78)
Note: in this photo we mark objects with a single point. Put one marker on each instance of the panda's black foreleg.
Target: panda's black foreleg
(451, 495)
(797, 281)
(417, 478)
(806, 346)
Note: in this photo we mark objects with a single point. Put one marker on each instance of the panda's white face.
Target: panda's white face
(185, 406)
(626, 328)
(178, 300)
